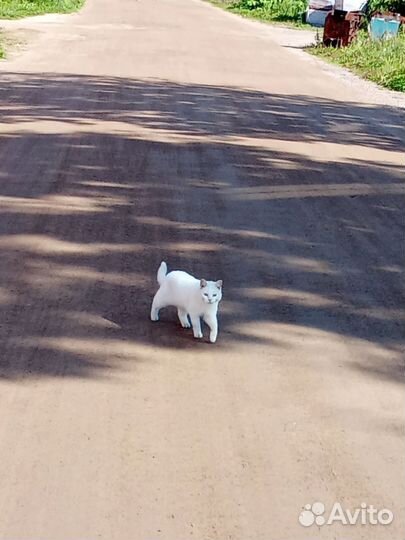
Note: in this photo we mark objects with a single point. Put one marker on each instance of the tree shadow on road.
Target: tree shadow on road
(101, 179)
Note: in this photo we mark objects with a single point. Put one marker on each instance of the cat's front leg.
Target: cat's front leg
(212, 322)
(195, 321)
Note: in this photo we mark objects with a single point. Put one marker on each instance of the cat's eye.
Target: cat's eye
(205, 294)
(214, 295)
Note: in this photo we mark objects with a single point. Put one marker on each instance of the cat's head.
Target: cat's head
(211, 291)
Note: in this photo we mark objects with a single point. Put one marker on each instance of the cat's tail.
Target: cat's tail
(161, 273)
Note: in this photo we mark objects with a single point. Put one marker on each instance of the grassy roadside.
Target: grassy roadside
(379, 61)
(5, 42)
(285, 12)
(16, 9)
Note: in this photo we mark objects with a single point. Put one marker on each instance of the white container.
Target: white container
(318, 10)
(316, 17)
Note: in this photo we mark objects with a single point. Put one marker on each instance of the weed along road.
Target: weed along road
(136, 132)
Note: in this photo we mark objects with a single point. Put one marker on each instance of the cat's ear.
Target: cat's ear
(219, 283)
(203, 283)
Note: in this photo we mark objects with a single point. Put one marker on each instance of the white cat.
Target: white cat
(191, 296)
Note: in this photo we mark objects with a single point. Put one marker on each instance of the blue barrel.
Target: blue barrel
(383, 28)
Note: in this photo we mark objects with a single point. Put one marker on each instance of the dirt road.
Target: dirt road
(139, 131)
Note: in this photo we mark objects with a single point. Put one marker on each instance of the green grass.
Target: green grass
(380, 61)
(16, 9)
(3, 44)
(287, 12)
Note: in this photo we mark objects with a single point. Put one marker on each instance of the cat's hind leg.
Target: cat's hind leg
(157, 304)
(183, 318)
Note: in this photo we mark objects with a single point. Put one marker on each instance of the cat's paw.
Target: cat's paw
(154, 317)
(198, 336)
(186, 325)
(213, 338)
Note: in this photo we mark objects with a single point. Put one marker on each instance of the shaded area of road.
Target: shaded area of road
(209, 187)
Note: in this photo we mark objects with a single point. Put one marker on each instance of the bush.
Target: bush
(276, 9)
(293, 8)
(251, 4)
(396, 6)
